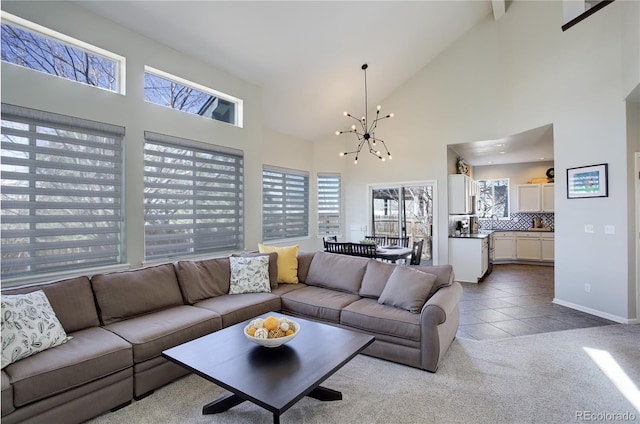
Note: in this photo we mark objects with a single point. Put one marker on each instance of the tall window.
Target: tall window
(61, 193)
(329, 204)
(177, 93)
(193, 197)
(493, 198)
(35, 47)
(285, 203)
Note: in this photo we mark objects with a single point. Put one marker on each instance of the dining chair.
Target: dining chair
(326, 239)
(342, 248)
(364, 250)
(380, 240)
(416, 252)
(398, 241)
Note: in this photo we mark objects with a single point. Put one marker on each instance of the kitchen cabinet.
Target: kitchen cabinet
(528, 246)
(547, 248)
(469, 257)
(547, 192)
(503, 245)
(461, 190)
(535, 246)
(536, 197)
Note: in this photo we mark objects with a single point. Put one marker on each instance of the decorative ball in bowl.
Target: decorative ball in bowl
(271, 331)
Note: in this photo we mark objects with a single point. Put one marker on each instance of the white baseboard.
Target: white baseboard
(595, 312)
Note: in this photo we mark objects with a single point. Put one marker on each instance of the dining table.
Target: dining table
(393, 253)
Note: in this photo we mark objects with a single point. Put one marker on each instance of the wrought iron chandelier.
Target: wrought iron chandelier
(366, 132)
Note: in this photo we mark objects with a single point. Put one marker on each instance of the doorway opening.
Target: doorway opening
(404, 210)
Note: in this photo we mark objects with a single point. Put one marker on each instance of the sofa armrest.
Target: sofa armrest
(439, 321)
(442, 303)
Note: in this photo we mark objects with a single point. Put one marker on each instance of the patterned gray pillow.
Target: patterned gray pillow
(249, 274)
(29, 326)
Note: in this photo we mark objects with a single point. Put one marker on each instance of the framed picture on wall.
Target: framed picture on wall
(587, 181)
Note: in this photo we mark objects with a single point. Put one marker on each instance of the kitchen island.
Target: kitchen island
(471, 256)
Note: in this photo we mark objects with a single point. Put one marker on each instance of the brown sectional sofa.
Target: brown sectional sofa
(121, 322)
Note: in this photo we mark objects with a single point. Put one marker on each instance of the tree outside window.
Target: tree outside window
(493, 201)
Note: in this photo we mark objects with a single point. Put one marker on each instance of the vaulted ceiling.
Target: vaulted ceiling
(305, 55)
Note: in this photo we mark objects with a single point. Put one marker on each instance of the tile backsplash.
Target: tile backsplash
(519, 221)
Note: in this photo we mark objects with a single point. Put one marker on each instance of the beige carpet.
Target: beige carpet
(542, 378)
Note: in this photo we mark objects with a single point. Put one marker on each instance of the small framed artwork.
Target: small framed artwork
(587, 181)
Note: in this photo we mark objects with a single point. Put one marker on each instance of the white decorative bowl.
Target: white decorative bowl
(273, 342)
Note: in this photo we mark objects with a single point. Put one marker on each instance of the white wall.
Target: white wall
(509, 76)
(36, 90)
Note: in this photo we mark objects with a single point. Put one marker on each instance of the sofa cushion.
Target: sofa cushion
(317, 303)
(338, 272)
(234, 309)
(29, 326)
(152, 333)
(443, 272)
(91, 354)
(304, 261)
(370, 316)
(287, 261)
(6, 402)
(407, 289)
(122, 295)
(72, 300)
(273, 264)
(375, 278)
(203, 279)
(249, 275)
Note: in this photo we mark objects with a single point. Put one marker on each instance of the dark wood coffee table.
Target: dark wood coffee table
(273, 378)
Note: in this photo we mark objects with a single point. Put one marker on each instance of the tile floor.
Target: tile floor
(515, 300)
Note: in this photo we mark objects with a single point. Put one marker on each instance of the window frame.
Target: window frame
(25, 25)
(288, 194)
(202, 194)
(329, 178)
(51, 187)
(508, 200)
(238, 121)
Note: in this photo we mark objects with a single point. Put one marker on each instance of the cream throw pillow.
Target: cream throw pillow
(249, 274)
(29, 326)
(287, 262)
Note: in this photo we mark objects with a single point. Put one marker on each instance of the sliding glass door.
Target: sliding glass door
(404, 211)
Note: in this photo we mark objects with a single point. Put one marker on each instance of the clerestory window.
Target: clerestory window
(35, 47)
(177, 93)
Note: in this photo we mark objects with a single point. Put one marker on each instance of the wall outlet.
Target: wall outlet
(587, 288)
(609, 229)
(588, 228)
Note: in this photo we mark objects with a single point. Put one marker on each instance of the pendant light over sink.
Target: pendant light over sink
(365, 132)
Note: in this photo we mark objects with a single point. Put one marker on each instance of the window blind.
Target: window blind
(193, 197)
(61, 193)
(285, 203)
(329, 204)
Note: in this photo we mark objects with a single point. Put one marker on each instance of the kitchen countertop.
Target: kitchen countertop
(485, 233)
(479, 235)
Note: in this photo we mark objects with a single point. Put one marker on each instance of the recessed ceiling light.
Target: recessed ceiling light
(499, 145)
(502, 153)
(540, 158)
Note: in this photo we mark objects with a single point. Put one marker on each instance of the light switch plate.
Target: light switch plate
(609, 229)
(588, 228)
